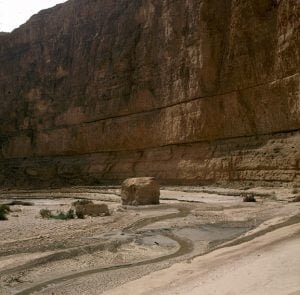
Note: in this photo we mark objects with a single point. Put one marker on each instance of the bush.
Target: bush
(45, 213)
(249, 198)
(64, 215)
(295, 191)
(4, 211)
(79, 214)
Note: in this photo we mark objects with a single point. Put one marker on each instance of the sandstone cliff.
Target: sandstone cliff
(189, 91)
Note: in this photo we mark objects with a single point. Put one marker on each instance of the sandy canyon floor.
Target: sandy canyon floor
(199, 240)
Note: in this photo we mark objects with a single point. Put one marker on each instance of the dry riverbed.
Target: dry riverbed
(97, 254)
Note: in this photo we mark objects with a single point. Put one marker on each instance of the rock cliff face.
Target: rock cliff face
(188, 91)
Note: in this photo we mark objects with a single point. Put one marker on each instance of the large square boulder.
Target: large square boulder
(140, 191)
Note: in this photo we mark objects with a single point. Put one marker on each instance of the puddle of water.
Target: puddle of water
(210, 232)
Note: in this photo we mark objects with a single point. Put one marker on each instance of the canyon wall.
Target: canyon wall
(188, 91)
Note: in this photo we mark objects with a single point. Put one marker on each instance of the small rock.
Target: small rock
(91, 209)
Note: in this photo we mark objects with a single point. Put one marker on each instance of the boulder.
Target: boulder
(91, 209)
(140, 191)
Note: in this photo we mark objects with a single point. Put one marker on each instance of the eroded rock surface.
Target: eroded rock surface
(187, 91)
(140, 191)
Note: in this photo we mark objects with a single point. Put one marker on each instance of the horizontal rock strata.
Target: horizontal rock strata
(185, 91)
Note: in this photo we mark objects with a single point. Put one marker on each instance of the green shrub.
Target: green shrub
(64, 215)
(4, 211)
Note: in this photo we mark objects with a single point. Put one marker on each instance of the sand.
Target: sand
(200, 240)
(269, 264)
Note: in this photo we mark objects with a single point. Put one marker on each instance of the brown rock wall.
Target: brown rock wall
(263, 159)
(236, 114)
(113, 88)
